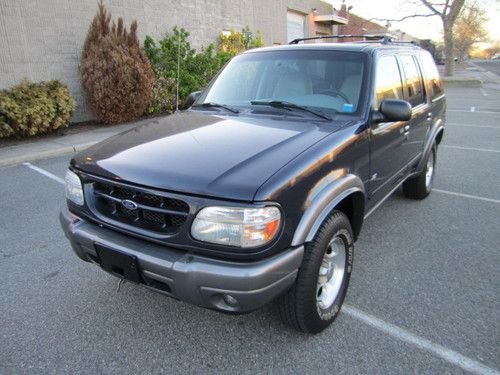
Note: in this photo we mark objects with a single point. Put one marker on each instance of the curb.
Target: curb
(462, 82)
(46, 154)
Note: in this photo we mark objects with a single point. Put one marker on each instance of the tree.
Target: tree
(469, 29)
(448, 11)
(116, 74)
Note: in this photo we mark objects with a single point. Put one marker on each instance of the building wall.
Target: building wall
(42, 40)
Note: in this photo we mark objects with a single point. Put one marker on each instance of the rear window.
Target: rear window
(432, 75)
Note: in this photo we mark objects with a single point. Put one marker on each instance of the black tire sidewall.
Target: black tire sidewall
(315, 319)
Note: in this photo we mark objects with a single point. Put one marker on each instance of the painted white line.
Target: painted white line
(450, 356)
(44, 172)
(473, 109)
(483, 92)
(472, 148)
(467, 196)
(474, 126)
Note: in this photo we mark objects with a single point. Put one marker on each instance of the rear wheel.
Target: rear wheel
(420, 186)
(314, 301)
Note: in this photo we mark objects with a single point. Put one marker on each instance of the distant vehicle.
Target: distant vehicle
(259, 190)
(496, 56)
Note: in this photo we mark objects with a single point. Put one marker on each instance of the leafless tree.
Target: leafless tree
(448, 11)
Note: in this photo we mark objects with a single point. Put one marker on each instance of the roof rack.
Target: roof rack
(374, 38)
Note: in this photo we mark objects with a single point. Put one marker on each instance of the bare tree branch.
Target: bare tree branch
(403, 18)
(432, 8)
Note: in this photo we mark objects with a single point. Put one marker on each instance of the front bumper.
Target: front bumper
(195, 279)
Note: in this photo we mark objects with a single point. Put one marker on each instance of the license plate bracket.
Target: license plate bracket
(122, 265)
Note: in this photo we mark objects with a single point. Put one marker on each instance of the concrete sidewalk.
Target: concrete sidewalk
(469, 75)
(55, 145)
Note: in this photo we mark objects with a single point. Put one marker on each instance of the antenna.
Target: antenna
(178, 72)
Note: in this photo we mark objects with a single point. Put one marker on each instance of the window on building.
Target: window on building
(432, 75)
(414, 85)
(295, 24)
(388, 79)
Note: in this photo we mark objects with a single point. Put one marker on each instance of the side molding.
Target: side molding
(323, 203)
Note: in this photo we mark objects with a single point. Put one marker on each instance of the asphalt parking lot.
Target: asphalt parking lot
(424, 296)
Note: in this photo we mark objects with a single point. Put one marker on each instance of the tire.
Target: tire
(308, 306)
(420, 186)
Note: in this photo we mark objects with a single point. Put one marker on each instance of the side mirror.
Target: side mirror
(392, 110)
(192, 98)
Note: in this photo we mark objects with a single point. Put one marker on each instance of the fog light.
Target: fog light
(230, 300)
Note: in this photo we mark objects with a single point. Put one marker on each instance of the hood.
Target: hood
(204, 154)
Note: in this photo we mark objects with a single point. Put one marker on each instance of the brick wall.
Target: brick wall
(42, 39)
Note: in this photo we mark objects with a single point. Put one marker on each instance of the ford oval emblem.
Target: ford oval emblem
(128, 204)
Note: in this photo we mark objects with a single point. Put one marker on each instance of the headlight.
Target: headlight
(235, 226)
(74, 190)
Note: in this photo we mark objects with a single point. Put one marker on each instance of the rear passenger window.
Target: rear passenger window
(388, 79)
(432, 75)
(414, 84)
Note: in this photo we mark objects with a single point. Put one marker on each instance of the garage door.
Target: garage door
(295, 26)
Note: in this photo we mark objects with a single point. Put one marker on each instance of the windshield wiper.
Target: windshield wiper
(289, 105)
(217, 105)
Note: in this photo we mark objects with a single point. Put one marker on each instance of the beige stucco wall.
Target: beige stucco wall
(42, 39)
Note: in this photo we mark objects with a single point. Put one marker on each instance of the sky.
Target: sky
(424, 27)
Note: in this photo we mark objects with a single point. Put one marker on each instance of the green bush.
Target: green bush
(116, 74)
(30, 109)
(163, 94)
(236, 42)
(197, 68)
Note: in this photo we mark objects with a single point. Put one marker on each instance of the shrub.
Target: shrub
(163, 94)
(236, 42)
(196, 68)
(116, 74)
(30, 109)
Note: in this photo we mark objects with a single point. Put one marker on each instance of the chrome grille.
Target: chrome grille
(155, 213)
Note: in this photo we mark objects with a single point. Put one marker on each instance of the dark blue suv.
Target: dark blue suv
(259, 189)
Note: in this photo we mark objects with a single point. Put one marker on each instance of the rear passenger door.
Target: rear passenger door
(415, 94)
(388, 149)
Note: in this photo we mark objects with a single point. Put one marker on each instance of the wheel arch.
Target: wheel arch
(436, 137)
(346, 194)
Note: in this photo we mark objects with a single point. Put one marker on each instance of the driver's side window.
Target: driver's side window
(388, 83)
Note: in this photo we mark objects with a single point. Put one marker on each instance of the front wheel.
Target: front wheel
(420, 186)
(314, 301)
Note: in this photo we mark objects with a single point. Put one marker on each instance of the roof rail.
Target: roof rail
(375, 38)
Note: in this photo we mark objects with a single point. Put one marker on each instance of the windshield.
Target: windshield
(325, 80)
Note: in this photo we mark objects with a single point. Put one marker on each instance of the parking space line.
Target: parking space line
(475, 111)
(450, 356)
(467, 196)
(44, 172)
(471, 148)
(474, 126)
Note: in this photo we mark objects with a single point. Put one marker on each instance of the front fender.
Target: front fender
(321, 202)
